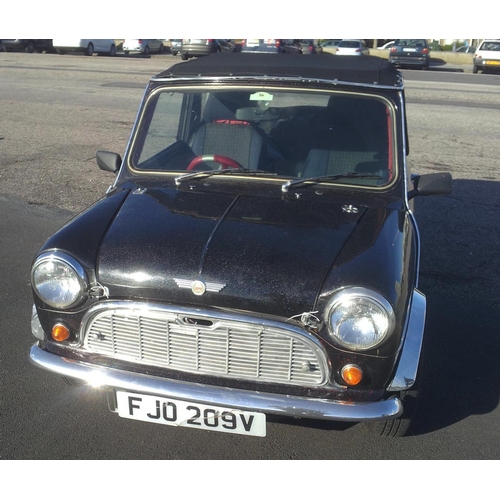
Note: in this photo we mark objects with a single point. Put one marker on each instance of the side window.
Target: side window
(167, 122)
(161, 130)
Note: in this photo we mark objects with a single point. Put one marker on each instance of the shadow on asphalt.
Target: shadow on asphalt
(459, 274)
(440, 65)
(139, 55)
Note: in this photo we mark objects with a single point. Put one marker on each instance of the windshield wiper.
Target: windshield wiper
(227, 171)
(315, 180)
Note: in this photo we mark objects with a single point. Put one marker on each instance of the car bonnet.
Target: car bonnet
(251, 252)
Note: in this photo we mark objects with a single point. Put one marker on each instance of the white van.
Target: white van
(87, 46)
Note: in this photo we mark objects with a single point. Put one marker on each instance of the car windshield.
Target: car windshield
(350, 44)
(274, 133)
(410, 42)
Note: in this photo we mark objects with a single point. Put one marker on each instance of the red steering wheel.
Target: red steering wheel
(224, 161)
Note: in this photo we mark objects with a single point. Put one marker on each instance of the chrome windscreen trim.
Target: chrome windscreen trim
(274, 79)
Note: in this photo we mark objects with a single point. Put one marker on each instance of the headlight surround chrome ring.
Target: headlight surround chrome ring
(59, 280)
(359, 319)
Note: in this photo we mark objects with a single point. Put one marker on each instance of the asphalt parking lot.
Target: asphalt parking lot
(57, 111)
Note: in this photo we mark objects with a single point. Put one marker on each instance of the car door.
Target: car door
(98, 45)
(103, 45)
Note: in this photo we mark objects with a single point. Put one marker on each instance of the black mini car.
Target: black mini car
(257, 254)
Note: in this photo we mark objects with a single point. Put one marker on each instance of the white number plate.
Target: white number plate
(409, 50)
(184, 414)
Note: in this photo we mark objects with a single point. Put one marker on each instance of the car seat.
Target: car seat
(358, 141)
(222, 134)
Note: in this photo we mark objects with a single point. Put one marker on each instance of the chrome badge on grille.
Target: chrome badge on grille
(199, 287)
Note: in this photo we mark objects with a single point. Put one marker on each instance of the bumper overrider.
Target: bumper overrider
(256, 401)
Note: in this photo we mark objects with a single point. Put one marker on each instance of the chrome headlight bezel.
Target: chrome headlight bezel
(364, 307)
(69, 270)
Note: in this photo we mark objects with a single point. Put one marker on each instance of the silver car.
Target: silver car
(87, 46)
(330, 45)
(196, 47)
(175, 46)
(142, 45)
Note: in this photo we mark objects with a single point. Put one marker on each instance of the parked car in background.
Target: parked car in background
(175, 46)
(487, 56)
(467, 49)
(277, 45)
(387, 45)
(290, 46)
(412, 52)
(330, 45)
(309, 46)
(28, 45)
(197, 47)
(86, 46)
(258, 253)
(352, 47)
(271, 45)
(142, 45)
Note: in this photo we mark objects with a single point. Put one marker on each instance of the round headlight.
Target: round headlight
(58, 280)
(359, 319)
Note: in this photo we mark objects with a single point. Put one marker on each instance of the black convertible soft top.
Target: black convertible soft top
(368, 70)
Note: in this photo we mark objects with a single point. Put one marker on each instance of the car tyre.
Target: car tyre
(184, 57)
(475, 69)
(402, 425)
(160, 48)
(89, 51)
(174, 53)
(112, 51)
(146, 50)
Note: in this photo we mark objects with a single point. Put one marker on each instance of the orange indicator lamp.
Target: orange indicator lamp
(60, 332)
(352, 374)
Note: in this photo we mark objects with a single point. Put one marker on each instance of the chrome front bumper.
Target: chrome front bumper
(275, 404)
(269, 403)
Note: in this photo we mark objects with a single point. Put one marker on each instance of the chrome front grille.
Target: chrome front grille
(209, 343)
